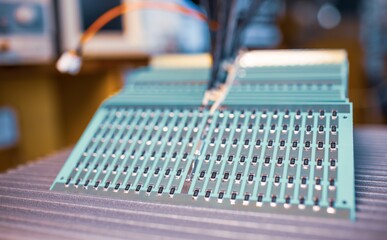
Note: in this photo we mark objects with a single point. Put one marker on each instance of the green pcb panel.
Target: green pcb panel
(288, 157)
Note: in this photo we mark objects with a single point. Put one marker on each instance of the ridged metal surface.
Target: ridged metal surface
(29, 210)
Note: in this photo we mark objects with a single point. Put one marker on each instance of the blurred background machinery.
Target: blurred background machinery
(26, 32)
(374, 39)
(52, 110)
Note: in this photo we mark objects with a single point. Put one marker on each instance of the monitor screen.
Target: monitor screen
(90, 11)
(139, 32)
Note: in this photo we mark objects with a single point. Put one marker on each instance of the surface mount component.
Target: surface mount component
(281, 143)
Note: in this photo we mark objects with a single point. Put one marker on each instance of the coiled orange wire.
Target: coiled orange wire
(128, 7)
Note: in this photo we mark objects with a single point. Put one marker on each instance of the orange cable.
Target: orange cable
(125, 7)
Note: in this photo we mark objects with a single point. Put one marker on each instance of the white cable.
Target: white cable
(69, 62)
(225, 88)
(219, 95)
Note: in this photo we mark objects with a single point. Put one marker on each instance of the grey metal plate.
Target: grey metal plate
(29, 210)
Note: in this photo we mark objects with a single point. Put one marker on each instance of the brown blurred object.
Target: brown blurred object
(53, 109)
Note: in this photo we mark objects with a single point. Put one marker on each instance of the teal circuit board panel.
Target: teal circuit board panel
(281, 142)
